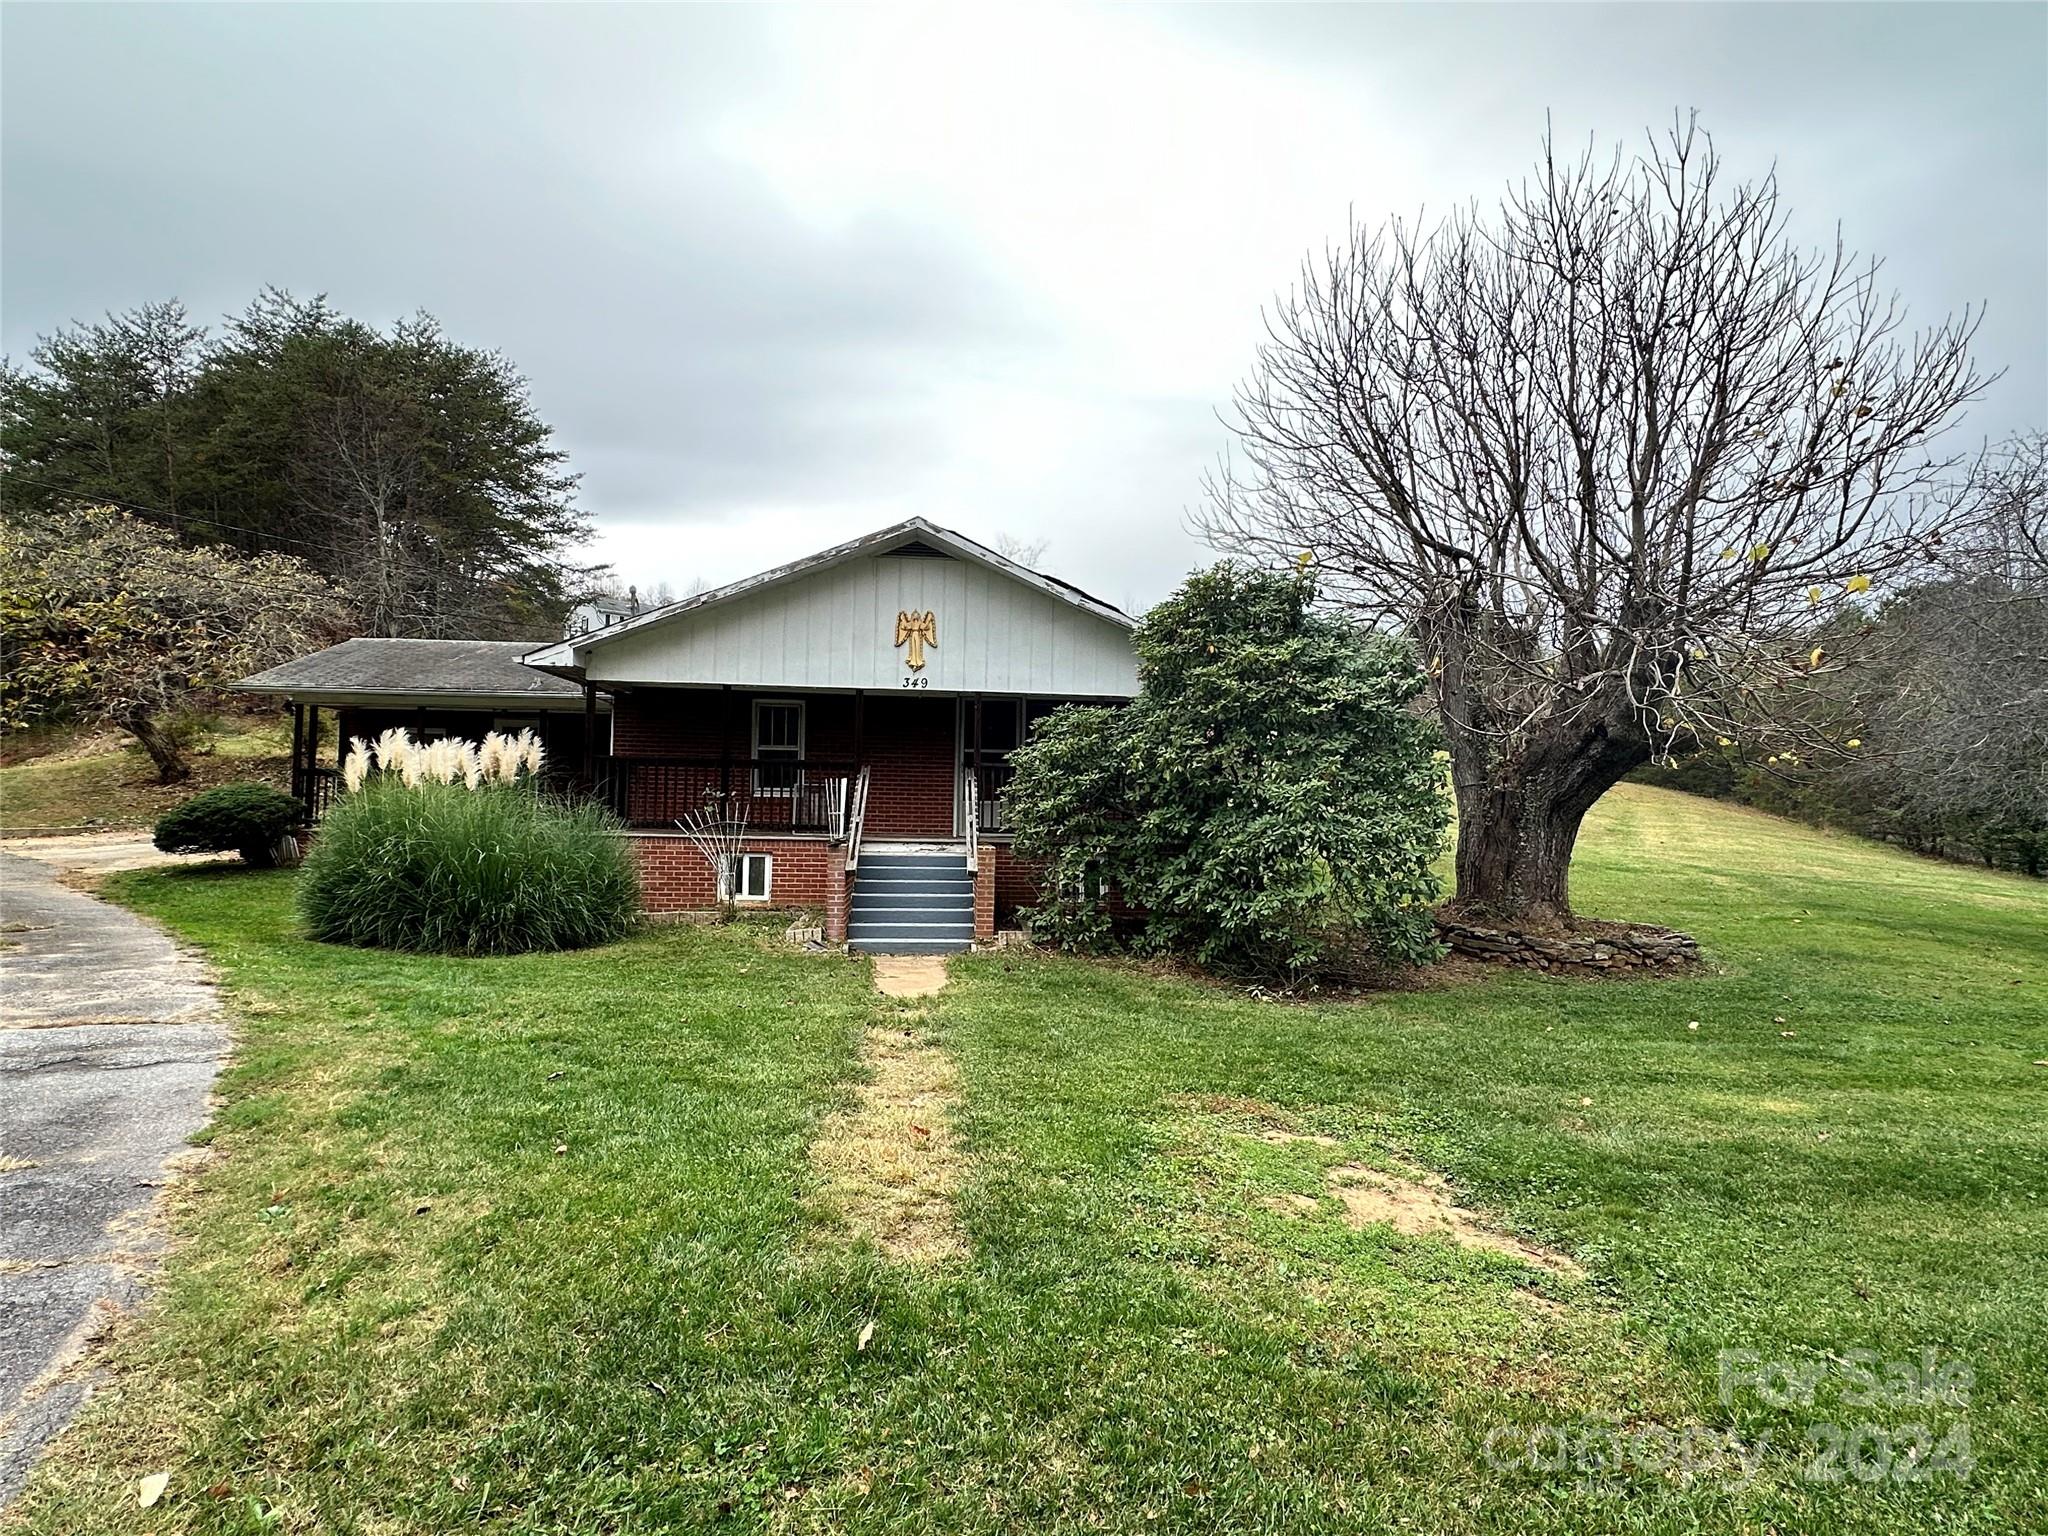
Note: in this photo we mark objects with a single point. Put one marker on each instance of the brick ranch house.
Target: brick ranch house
(858, 707)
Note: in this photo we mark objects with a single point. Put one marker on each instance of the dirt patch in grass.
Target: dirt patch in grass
(888, 1166)
(1413, 1200)
(909, 975)
(1420, 1205)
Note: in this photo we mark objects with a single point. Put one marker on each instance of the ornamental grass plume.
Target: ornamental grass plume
(393, 748)
(445, 760)
(442, 760)
(491, 758)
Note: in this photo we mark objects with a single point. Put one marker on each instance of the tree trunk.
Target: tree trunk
(1517, 824)
(162, 745)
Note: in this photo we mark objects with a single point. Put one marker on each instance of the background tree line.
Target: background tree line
(408, 470)
(1953, 755)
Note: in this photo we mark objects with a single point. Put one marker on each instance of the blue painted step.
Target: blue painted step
(911, 904)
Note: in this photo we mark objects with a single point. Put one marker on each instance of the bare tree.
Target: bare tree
(1019, 550)
(1621, 459)
(362, 469)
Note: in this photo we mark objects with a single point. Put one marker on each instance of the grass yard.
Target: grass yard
(78, 778)
(530, 1244)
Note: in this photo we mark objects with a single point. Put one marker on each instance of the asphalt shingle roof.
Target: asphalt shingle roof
(417, 669)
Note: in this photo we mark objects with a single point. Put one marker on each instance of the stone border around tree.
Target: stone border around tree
(1597, 950)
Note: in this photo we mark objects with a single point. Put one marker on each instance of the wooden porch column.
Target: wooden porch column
(302, 788)
(977, 768)
(725, 740)
(589, 734)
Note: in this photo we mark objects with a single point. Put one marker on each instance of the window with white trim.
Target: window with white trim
(751, 876)
(778, 738)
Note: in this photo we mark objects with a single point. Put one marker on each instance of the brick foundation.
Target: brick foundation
(675, 878)
(1016, 883)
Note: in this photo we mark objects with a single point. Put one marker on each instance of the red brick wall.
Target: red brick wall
(1016, 882)
(675, 878)
(985, 894)
(908, 743)
(685, 722)
(836, 895)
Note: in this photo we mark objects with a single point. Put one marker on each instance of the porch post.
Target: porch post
(985, 894)
(725, 740)
(835, 894)
(977, 763)
(302, 790)
(589, 734)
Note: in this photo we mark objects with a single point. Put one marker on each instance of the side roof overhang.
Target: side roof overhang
(571, 659)
(434, 674)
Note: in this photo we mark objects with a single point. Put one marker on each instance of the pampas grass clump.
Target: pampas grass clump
(415, 860)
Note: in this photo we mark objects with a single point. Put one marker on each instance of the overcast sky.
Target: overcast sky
(782, 276)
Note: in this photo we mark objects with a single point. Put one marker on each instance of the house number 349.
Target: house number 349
(917, 682)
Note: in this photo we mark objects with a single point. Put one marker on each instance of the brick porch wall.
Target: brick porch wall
(909, 744)
(675, 878)
(1016, 883)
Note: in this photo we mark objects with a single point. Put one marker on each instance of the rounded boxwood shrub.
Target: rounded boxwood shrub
(250, 819)
(495, 870)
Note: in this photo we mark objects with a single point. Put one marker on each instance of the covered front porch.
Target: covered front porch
(429, 688)
(935, 765)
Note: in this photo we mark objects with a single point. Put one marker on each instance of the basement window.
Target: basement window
(751, 873)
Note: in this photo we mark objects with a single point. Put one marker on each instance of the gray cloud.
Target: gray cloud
(773, 279)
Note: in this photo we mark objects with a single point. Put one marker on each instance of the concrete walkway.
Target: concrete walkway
(109, 1042)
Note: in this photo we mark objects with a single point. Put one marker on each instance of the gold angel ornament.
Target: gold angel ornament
(917, 630)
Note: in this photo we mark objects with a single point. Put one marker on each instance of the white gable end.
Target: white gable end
(836, 628)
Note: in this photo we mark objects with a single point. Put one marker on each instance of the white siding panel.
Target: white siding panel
(837, 629)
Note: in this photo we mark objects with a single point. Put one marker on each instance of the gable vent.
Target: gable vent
(916, 549)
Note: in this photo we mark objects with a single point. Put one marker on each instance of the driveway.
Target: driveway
(110, 1037)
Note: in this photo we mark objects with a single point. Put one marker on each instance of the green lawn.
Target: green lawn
(525, 1244)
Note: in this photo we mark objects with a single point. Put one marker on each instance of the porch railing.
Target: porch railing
(856, 819)
(989, 784)
(781, 794)
(316, 789)
(972, 820)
